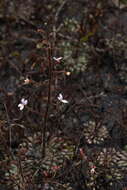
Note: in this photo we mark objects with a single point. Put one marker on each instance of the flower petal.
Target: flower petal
(21, 106)
(25, 102)
(57, 59)
(26, 81)
(22, 100)
(60, 97)
(65, 101)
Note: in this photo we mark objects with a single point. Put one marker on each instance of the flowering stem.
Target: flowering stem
(44, 127)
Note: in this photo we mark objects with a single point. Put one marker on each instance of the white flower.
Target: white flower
(22, 104)
(57, 59)
(68, 73)
(60, 98)
(26, 81)
(92, 171)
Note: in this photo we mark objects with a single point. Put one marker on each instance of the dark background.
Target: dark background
(90, 131)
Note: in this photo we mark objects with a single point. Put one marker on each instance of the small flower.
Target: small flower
(92, 171)
(26, 81)
(81, 152)
(22, 104)
(68, 73)
(60, 98)
(57, 59)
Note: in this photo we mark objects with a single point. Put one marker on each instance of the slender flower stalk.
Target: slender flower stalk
(48, 103)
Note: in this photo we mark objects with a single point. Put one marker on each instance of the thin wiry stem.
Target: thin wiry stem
(56, 29)
(44, 127)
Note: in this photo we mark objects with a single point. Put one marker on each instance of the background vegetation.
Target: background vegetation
(74, 142)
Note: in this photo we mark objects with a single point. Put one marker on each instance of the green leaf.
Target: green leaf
(85, 38)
